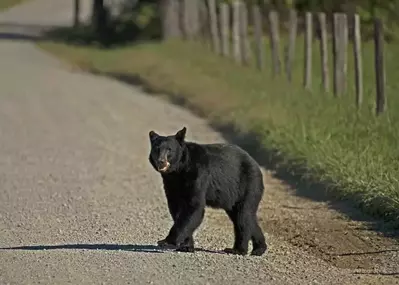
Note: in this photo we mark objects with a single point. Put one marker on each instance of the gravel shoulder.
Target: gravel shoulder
(78, 195)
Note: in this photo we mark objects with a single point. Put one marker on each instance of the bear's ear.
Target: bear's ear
(180, 135)
(153, 135)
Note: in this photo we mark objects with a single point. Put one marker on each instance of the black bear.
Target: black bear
(215, 175)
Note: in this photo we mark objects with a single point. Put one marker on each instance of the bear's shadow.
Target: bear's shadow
(144, 248)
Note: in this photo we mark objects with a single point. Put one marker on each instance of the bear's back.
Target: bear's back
(229, 171)
(228, 154)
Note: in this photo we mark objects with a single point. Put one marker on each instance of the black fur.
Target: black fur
(215, 175)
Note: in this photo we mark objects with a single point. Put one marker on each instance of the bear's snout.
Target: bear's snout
(163, 165)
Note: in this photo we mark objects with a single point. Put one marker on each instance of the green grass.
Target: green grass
(319, 137)
(4, 4)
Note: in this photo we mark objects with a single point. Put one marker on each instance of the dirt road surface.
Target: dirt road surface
(80, 204)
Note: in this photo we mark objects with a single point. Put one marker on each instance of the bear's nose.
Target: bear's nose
(163, 165)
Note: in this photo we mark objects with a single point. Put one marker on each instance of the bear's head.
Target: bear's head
(167, 151)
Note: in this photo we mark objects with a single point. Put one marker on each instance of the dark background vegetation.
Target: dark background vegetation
(140, 19)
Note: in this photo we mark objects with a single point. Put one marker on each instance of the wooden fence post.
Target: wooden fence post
(195, 21)
(225, 28)
(214, 26)
(245, 47)
(203, 23)
(170, 19)
(290, 50)
(358, 60)
(336, 53)
(341, 54)
(184, 18)
(307, 80)
(379, 66)
(275, 41)
(191, 19)
(257, 17)
(76, 18)
(324, 52)
(344, 52)
(236, 31)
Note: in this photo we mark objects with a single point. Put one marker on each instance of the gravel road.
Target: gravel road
(79, 201)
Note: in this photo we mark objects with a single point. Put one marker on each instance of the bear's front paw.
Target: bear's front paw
(259, 251)
(235, 251)
(185, 248)
(165, 243)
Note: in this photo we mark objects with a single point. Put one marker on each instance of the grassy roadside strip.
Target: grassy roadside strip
(319, 138)
(5, 4)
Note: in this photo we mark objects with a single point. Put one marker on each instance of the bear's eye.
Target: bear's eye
(169, 156)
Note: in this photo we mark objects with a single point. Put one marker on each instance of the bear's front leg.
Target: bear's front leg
(186, 246)
(175, 207)
(181, 234)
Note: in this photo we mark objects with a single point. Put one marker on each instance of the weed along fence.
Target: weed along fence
(238, 31)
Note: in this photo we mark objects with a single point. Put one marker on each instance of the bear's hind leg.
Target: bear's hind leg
(242, 230)
(258, 239)
(236, 233)
(259, 245)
